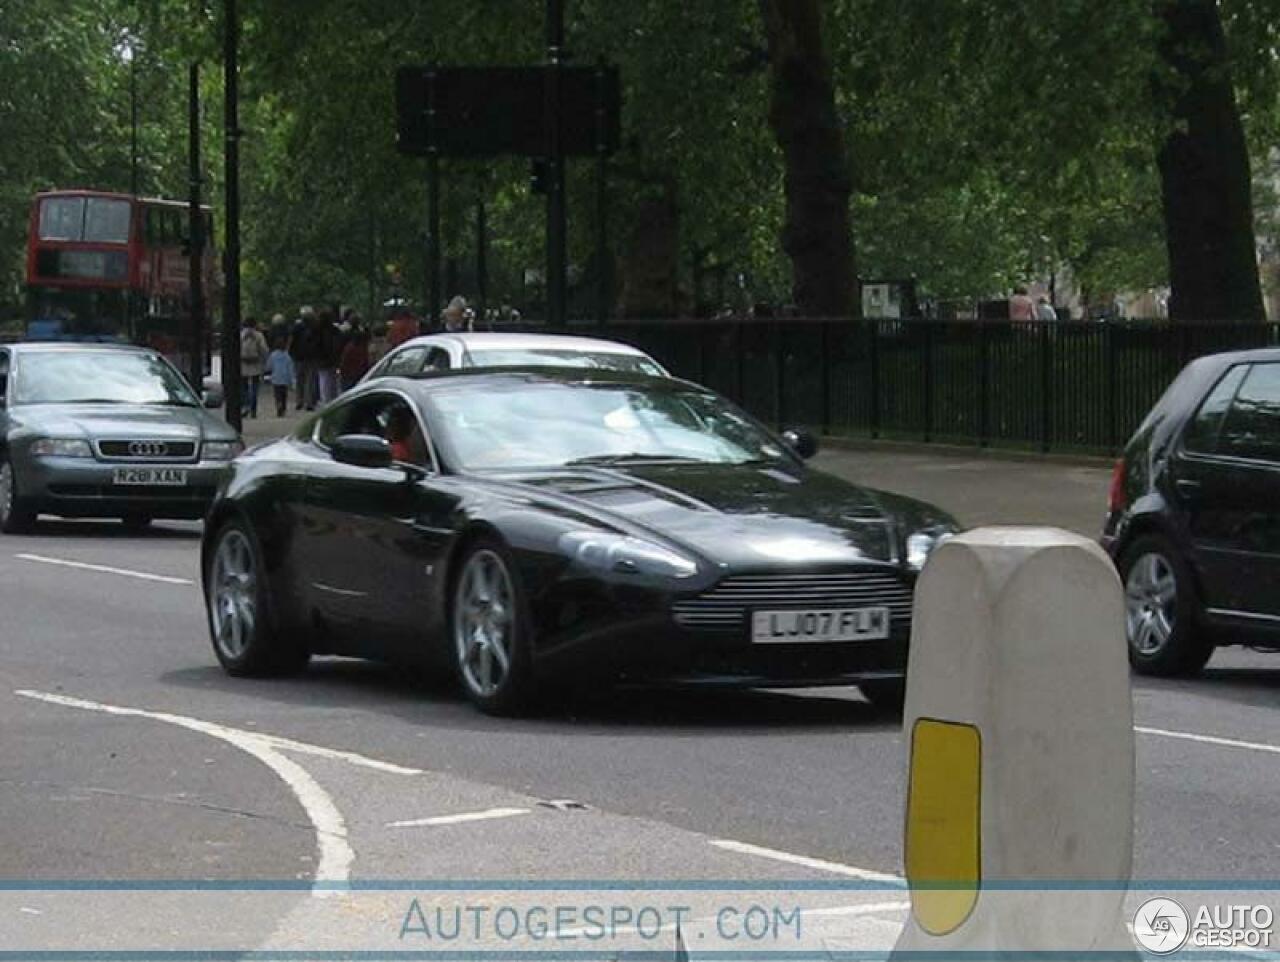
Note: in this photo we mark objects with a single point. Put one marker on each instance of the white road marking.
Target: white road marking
(460, 818)
(336, 853)
(821, 865)
(1209, 740)
(104, 569)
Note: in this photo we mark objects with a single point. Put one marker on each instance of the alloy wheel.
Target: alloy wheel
(484, 624)
(1151, 596)
(233, 595)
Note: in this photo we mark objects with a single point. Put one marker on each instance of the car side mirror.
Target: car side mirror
(803, 443)
(213, 395)
(362, 451)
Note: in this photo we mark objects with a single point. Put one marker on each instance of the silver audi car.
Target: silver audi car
(105, 431)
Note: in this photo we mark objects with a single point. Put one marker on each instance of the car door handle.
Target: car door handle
(1187, 487)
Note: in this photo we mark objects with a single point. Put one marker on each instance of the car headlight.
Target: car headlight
(621, 554)
(922, 544)
(221, 450)
(61, 448)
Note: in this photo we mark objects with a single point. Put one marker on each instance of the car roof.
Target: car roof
(494, 376)
(499, 340)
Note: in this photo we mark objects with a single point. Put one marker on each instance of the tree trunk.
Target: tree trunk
(1204, 170)
(802, 113)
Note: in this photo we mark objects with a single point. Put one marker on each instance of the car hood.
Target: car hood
(146, 421)
(743, 516)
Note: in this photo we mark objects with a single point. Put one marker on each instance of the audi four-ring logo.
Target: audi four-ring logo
(148, 449)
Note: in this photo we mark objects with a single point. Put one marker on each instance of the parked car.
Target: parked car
(538, 526)
(449, 352)
(1194, 521)
(98, 430)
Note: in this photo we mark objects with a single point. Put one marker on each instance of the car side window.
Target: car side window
(1202, 432)
(438, 360)
(1251, 428)
(408, 361)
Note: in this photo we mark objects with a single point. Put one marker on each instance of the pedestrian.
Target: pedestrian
(328, 356)
(279, 330)
(253, 354)
(403, 328)
(1021, 306)
(1045, 310)
(457, 316)
(355, 358)
(281, 372)
(302, 347)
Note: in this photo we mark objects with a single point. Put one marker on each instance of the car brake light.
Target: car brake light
(1116, 500)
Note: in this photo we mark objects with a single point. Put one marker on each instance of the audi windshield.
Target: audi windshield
(99, 377)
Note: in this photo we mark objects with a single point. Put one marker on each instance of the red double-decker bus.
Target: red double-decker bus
(103, 266)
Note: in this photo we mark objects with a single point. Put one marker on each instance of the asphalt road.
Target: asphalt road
(125, 753)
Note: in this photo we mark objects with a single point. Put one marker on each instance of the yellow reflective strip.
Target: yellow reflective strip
(944, 811)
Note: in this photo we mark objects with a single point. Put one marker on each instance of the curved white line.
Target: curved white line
(336, 853)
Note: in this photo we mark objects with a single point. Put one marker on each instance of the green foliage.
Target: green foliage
(989, 139)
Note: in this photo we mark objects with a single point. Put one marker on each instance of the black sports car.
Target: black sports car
(529, 526)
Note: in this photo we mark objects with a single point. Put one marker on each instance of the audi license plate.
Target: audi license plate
(819, 625)
(159, 477)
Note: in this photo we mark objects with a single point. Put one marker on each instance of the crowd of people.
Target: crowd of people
(321, 353)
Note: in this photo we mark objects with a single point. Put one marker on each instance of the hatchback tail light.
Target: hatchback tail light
(1116, 499)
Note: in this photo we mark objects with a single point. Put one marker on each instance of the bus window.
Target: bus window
(61, 218)
(106, 221)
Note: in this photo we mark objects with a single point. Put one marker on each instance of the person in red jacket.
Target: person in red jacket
(403, 327)
(355, 359)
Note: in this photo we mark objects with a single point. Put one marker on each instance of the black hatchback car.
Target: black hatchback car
(1194, 522)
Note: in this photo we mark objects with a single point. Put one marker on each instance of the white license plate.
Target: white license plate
(819, 625)
(160, 477)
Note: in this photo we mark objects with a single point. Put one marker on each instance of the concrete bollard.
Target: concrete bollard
(1019, 726)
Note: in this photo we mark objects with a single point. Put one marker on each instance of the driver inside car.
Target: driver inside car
(405, 438)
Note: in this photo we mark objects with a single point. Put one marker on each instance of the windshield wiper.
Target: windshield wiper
(176, 403)
(632, 458)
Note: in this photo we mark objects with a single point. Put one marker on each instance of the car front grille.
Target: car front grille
(727, 606)
(140, 451)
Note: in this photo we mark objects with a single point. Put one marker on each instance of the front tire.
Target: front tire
(489, 631)
(1161, 621)
(16, 515)
(245, 641)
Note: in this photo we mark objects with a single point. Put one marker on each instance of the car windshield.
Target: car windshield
(565, 357)
(107, 377)
(554, 424)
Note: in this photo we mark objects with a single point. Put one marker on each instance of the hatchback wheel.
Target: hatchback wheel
(16, 515)
(1161, 620)
(240, 623)
(489, 632)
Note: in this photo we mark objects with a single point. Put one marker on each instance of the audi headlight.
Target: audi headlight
(922, 544)
(222, 450)
(61, 448)
(620, 554)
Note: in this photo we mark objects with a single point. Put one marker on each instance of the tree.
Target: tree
(1205, 172)
(802, 113)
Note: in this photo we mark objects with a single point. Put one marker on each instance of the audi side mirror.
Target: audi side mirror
(362, 451)
(803, 443)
